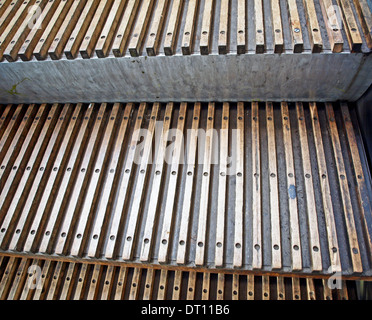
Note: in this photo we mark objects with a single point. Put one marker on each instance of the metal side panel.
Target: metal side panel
(251, 77)
(270, 187)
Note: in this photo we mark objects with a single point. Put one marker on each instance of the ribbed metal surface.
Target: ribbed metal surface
(28, 279)
(73, 185)
(52, 29)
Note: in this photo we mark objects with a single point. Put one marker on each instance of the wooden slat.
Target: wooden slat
(13, 130)
(296, 290)
(221, 203)
(314, 239)
(223, 30)
(11, 51)
(58, 163)
(365, 19)
(277, 26)
(122, 34)
(80, 281)
(7, 277)
(42, 47)
(171, 34)
(67, 282)
(292, 191)
(334, 251)
(92, 292)
(295, 26)
(310, 289)
(276, 248)
(94, 30)
(344, 189)
(37, 142)
(124, 183)
(55, 50)
(205, 286)
(27, 47)
(7, 10)
(172, 186)
(63, 187)
(80, 183)
(250, 287)
(265, 288)
(72, 46)
(19, 166)
(159, 175)
(313, 28)
(280, 288)
(139, 31)
(108, 187)
(108, 32)
(43, 280)
(163, 281)
(352, 32)
(191, 286)
(53, 285)
(107, 284)
(13, 25)
(3, 120)
(188, 32)
(204, 196)
(235, 287)
(332, 25)
(256, 189)
(18, 280)
(137, 198)
(133, 294)
(121, 283)
(206, 28)
(362, 191)
(220, 286)
(149, 284)
(259, 26)
(156, 28)
(241, 27)
(44, 165)
(97, 175)
(342, 293)
(183, 240)
(239, 189)
(177, 285)
(327, 293)
(11, 150)
(31, 282)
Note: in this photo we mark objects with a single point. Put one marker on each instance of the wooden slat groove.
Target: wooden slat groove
(188, 32)
(141, 178)
(206, 28)
(276, 247)
(221, 203)
(147, 240)
(256, 190)
(139, 31)
(344, 190)
(172, 186)
(296, 250)
(314, 238)
(171, 34)
(183, 240)
(334, 251)
(152, 45)
(204, 197)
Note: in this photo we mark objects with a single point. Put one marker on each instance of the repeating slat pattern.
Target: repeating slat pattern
(277, 187)
(37, 279)
(100, 28)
